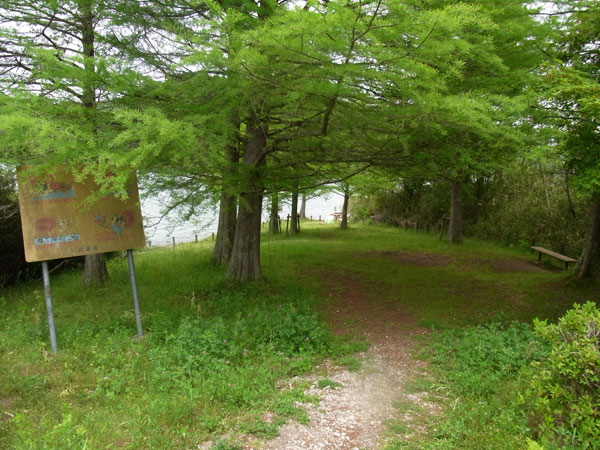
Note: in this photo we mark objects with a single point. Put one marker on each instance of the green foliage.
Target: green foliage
(12, 257)
(480, 358)
(477, 370)
(65, 434)
(156, 396)
(565, 387)
(529, 204)
(413, 200)
(222, 444)
(327, 383)
(571, 84)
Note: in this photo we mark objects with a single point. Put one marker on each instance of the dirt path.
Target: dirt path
(353, 415)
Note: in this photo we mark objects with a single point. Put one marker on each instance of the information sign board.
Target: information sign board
(59, 221)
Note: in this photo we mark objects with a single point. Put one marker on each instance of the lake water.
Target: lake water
(160, 232)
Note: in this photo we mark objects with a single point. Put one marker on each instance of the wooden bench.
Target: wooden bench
(545, 251)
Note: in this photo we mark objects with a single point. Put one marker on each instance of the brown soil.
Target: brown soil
(420, 259)
(509, 265)
(519, 265)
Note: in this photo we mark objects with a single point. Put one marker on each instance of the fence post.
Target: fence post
(287, 224)
(173, 242)
(196, 237)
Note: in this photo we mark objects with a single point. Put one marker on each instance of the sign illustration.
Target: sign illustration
(59, 221)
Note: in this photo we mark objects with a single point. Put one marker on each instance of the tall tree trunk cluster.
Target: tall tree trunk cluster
(227, 210)
(237, 243)
(244, 264)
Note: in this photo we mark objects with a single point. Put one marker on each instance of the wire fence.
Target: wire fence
(174, 240)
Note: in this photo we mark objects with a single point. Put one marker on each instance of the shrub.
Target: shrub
(565, 387)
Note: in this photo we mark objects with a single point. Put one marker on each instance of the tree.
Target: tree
(573, 79)
(501, 66)
(51, 48)
(302, 212)
(76, 68)
(318, 82)
(347, 192)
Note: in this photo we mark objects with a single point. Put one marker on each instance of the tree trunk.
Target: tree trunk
(94, 270)
(455, 225)
(294, 217)
(227, 211)
(244, 264)
(568, 191)
(94, 266)
(344, 224)
(225, 229)
(274, 215)
(302, 212)
(589, 262)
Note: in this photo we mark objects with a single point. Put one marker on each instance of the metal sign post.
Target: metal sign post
(138, 315)
(46, 276)
(58, 222)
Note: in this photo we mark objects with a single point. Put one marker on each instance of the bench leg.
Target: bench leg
(539, 257)
(566, 265)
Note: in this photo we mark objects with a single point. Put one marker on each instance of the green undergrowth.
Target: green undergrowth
(477, 377)
(507, 386)
(217, 359)
(211, 362)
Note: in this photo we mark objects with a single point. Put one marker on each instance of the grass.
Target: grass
(327, 383)
(214, 354)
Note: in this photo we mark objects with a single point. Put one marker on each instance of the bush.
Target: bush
(565, 387)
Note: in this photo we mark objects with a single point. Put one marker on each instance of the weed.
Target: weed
(352, 363)
(215, 355)
(222, 444)
(405, 406)
(327, 383)
(477, 374)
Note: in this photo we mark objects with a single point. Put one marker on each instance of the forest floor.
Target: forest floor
(356, 407)
(226, 367)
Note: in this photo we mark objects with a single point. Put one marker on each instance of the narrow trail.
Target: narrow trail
(353, 415)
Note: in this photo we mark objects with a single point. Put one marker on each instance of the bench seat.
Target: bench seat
(545, 251)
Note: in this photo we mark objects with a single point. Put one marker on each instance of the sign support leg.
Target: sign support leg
(138, 315)
(46, 276)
